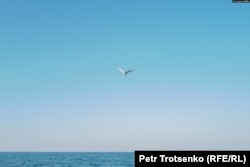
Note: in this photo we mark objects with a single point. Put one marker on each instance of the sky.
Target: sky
(60, 89)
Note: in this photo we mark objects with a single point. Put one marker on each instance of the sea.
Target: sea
(66, 159)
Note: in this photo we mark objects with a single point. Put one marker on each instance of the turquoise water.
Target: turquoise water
(86, 159)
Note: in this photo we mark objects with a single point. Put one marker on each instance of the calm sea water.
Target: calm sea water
(86, 159)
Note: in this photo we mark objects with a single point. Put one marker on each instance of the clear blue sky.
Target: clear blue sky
(60, 89)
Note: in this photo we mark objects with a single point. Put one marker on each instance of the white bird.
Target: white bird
(124, 72)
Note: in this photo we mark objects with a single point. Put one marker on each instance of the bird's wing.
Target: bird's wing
(129, 71)
(121, 70)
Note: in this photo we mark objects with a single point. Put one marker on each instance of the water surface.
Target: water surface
(65, 159)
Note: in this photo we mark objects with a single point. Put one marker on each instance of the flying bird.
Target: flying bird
(124, 72)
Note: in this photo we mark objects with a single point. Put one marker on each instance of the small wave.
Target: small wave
(40, 164)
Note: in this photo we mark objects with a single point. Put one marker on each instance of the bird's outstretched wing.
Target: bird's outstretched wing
(121, 70)
(129, 71)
